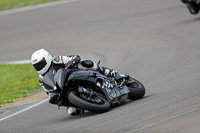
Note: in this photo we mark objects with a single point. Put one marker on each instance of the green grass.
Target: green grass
(10, 4)
(17, 81)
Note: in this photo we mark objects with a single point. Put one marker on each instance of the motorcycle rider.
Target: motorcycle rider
(44, 62)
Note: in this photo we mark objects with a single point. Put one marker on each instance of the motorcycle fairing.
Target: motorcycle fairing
(49, 79)
(109, 88)
(85, 74)
(60, 77)
(119, 76)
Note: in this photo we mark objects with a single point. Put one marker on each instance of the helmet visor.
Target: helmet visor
(40, 65)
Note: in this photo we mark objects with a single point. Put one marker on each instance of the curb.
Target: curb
(31, 98)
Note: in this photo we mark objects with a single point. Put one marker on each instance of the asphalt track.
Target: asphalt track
(156, 41)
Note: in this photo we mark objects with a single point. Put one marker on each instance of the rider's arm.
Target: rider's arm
(75, 59)
(71, 61)
(42, 84)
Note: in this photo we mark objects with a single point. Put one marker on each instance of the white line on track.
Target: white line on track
(35, 7)
(16, 62)
(24, 110)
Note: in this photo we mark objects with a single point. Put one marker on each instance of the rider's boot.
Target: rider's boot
(75, 111)
(107, 72)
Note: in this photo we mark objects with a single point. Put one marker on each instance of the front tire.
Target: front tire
(137, 90)
(83, 104)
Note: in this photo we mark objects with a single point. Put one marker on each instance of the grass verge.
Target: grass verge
(10, 4)
(17, 81)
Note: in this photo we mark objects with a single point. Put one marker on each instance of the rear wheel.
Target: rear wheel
(93, 103)
(137, 90)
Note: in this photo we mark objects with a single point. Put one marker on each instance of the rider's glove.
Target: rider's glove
(74, 61)
(113, 73)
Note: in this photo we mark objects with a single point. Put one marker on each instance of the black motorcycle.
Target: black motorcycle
(90, 90)
(192, 5)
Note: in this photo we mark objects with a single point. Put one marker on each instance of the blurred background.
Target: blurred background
(10, 4)
(156, 42)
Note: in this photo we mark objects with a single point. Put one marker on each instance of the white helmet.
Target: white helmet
(41, 61)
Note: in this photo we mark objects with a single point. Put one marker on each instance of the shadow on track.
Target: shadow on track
(87, 114)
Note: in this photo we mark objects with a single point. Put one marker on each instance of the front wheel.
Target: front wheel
(137, 90)
(100, 106)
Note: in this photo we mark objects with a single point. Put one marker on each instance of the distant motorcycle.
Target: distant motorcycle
(90, 90)
(193, 5)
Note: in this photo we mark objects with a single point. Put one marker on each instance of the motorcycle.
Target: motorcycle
(90, 90)
(192, 5)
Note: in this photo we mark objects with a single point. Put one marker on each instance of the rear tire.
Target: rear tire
(83, 104)
(137, 90)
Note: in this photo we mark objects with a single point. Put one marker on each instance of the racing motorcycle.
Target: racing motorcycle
(192, 5)
(90, 90)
